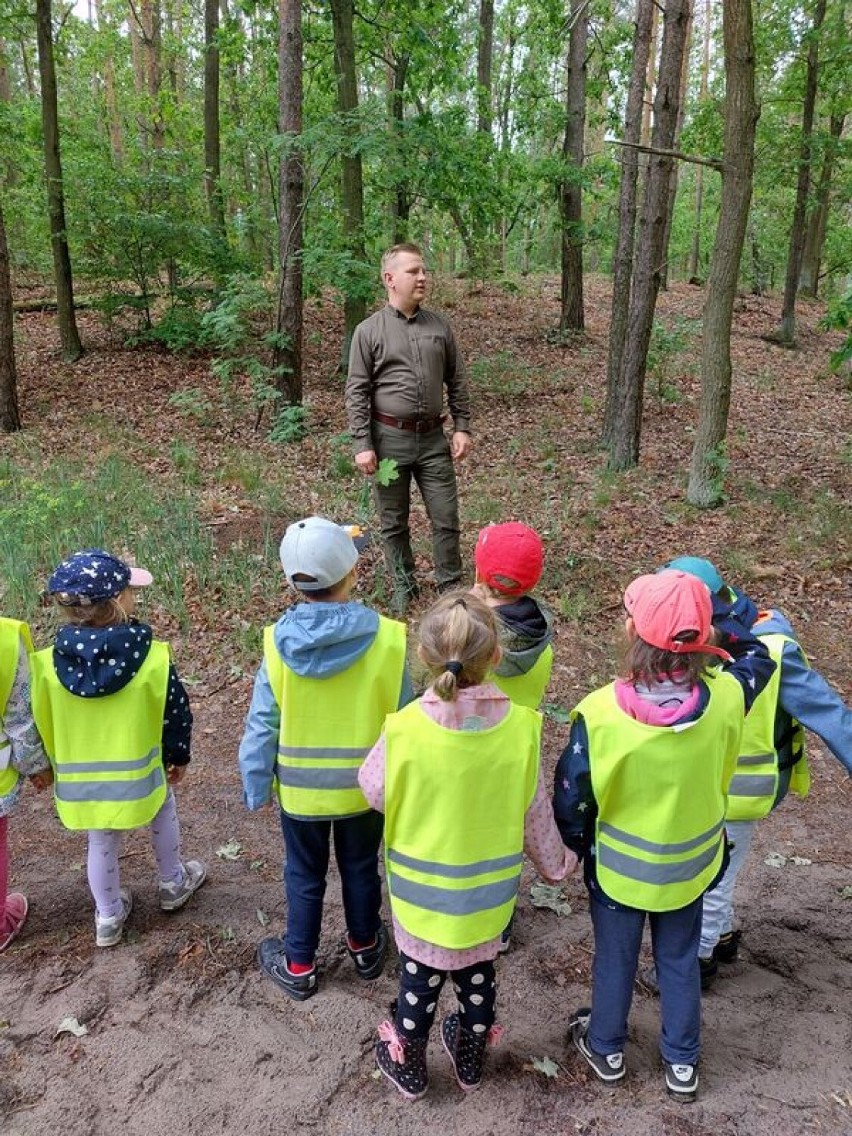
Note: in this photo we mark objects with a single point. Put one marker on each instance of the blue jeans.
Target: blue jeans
(718, 916)
(674, 938)
(356, 848)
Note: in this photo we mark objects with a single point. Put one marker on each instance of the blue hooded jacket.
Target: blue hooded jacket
(315, 640)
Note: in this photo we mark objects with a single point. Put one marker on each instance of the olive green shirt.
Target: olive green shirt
(400, 366)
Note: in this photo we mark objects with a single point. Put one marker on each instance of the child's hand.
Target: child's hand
(174, 774)
(41, 781)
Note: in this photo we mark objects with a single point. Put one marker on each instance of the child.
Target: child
(116, 724)
(509, 559)
(21, 753)
(796, 697)
(457, 776)
(332, 670)
(640, 794)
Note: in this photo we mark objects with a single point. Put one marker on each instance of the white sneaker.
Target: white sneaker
(108, 932)
(174, 896)
(681, 1081)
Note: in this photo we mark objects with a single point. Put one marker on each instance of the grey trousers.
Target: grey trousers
(427, 459)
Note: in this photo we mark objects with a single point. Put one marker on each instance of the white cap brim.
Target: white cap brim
(140, 578)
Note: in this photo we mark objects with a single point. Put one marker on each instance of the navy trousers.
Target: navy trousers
(674, 938)
(356, 848)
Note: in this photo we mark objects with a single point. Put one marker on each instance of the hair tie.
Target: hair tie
(454, 667)
(460, 602)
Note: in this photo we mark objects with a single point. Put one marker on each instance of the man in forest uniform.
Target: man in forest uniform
(401, 359)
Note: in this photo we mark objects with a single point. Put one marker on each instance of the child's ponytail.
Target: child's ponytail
(458, 643)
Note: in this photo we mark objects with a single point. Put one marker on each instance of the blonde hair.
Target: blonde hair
(392, 253)
(458, 642)
(103, 613)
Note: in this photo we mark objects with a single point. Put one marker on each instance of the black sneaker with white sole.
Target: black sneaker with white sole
(607, 1067)
(370, 961)
(728, 948)
(681, 1081)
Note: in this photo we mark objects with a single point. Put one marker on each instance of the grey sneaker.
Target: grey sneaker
(681, 1081)
(608, 1067)
(174, 896)
(108, 932)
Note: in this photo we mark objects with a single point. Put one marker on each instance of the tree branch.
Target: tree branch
(713, 163)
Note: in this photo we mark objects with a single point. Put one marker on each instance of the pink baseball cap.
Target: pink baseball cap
(509, 557)
(669, 604)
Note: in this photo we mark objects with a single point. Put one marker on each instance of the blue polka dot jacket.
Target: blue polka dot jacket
(93, 662)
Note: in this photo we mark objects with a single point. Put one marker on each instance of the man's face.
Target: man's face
(405, 280)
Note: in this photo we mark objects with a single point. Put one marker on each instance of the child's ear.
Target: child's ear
(630, 628)
(420, 654)
(498, 655)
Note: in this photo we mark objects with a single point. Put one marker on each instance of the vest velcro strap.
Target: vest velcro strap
(455, 871)
(331, 753)
(135, 790)
(749, 759)
(644, 871)
(69, 768)
(752, 785)
(658, 849)
(344, 777)
(451, 901)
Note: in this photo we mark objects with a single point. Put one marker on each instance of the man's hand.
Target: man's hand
(461, 444)
(367, 462)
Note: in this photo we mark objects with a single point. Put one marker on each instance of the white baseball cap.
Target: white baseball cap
(318, 549)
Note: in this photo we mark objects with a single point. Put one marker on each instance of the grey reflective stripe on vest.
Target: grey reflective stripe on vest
(314, 753)
(135, 790)
(756, 759)
(447, 901)
(752, 785)
(115, 766)
(313, 778)
(455, 871)
(632, 868)
(659, 849)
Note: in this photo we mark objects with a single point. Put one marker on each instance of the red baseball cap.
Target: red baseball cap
(669, 604)
(509, 557)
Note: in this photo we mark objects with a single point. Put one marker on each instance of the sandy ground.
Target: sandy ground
(185, 1034)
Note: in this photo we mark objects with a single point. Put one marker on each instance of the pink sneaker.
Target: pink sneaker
(15, 918)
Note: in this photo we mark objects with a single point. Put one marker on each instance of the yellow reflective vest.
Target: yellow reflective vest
(527, 689)
(12, 634)
(329, 725)
(454, 822)
(106, 751)
(754, 787)
(661, 796)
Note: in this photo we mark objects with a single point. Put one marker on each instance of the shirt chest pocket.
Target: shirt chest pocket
(433, 354)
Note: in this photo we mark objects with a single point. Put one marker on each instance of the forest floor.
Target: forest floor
(183, 1034)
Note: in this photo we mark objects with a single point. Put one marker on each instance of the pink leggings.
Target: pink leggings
(4, 867)
(105, 845)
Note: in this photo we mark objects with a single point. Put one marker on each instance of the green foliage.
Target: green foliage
(839, 318)
(96, 503)
(665, 346)
(387, 472)
(291, 425)
(193, 402)
(502, 375)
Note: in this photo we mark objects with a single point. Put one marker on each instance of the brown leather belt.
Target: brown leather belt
(413, 425)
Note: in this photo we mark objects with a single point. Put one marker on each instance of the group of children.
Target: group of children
(699, 737)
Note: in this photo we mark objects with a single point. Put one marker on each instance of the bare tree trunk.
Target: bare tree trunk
(741, 114)
(684, 76)
(212, 151)
(624, 447)
(288, 353)
(484, 56)
(354, 304)
(10, 418)
(572, 316)
(818, 221)
(400, 206)
(10, 173)
(116, 135)
(69, 337)
(692, 269)
(787, 329)
(623, 260)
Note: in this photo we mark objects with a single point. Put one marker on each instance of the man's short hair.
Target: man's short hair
(406, 246)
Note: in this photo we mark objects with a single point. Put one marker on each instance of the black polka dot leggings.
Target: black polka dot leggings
(420, 987)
